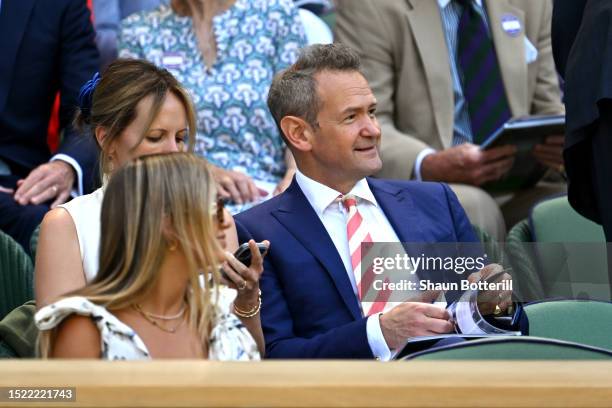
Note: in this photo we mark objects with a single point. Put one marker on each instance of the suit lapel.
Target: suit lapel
(510, 54)
(297, 215)
(14, 15)
(426, 25)
(399, 209)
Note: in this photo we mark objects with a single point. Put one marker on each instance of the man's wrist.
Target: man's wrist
(376, 339)
(75, 167)
(418, 163)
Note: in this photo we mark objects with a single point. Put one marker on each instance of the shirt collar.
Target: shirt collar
(444, 3)
(321, 196)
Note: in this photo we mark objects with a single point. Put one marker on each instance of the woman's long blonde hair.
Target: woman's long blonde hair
(143, 199)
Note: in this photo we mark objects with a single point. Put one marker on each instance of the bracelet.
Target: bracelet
(248, 313)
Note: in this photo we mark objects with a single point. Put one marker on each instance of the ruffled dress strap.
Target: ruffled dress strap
(118, 340)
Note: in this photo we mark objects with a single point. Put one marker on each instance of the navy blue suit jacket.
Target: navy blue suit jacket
(46, 46)
(309, 309)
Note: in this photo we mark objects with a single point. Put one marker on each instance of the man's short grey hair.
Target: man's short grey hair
(294, 91)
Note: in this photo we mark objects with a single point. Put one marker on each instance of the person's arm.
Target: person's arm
(71, 167)
(76, 337)
(547, 93)
(247, 298)
(59, 267)
(346, 341)
(246, 281)
(79, 60)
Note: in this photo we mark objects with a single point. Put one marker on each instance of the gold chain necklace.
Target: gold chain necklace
(152, 320)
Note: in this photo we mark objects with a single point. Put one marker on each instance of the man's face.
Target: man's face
(346, 143)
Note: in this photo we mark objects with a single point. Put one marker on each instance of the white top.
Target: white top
(333, 215)
(85, 212)
(229, 339)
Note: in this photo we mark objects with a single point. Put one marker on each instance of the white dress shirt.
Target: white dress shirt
(334, 217)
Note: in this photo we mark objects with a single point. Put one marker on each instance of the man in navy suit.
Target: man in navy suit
(47, 46)
(311, 309)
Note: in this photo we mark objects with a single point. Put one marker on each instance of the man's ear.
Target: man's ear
(297, 132)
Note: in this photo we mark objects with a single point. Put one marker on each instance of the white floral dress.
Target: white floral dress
(229, 339)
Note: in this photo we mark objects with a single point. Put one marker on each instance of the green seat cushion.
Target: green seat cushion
(571, 251)
(16, 275)
(585, 322)
(514, 348)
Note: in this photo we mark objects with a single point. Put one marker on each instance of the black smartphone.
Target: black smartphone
(243, 254)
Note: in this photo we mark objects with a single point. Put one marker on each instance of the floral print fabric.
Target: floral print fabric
(255, 40)
(229, 339)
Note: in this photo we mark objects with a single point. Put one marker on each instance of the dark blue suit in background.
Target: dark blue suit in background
(309, 309)
(46, 46)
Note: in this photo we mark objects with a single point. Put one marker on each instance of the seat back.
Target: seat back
(16, 275)
(34, 243)
(572, 258)
(528, 284)
(567, 259)
(513, 348)
(586, 322)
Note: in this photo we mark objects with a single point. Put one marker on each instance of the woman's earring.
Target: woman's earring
(110, 166)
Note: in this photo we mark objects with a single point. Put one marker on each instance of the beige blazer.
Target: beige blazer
(406, 61)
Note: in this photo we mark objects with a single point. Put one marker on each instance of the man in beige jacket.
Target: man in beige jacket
(404, 45)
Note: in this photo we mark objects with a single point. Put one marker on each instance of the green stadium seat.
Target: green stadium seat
(585, 322)
(34, 243)
(514, 348)
(568, 258)
(16, 275)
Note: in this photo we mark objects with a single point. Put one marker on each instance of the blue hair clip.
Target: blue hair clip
(86, 94)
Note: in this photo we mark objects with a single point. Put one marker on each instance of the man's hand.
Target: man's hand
(236, 186)
(46, 182)
(412, 319)
(468, 164)
(6, 190)
(489, 300)
(550, 153)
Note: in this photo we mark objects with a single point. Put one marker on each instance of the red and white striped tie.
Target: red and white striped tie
(357, 234)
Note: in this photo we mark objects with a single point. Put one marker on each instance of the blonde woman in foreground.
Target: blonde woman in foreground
(158, 237)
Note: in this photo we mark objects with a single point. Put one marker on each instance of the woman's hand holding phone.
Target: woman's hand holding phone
(245, 278)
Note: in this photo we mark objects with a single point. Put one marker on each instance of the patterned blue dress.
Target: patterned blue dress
(255, 40)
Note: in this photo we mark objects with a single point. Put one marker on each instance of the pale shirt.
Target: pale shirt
(85, 212)
(334, 218)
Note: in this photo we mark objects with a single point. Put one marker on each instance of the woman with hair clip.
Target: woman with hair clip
(133, 109)
(158, 238)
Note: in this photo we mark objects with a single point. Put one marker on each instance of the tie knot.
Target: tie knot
(349, 201)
